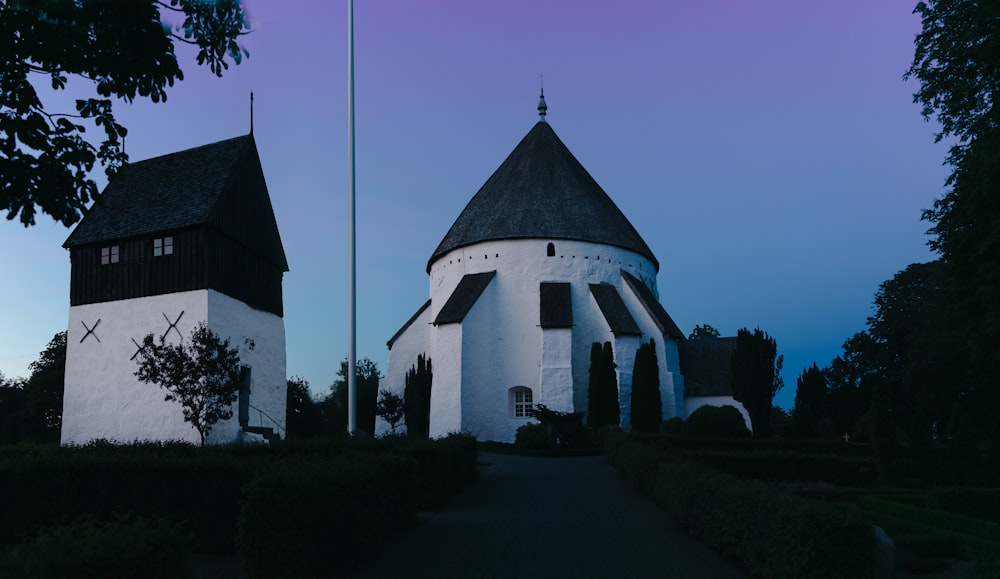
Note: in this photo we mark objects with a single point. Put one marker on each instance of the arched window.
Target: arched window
(551, 250)
(519, 401)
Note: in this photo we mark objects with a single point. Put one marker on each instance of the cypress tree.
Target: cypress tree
(756, 376)
(602, 389)
(647, 406)
(417, 398)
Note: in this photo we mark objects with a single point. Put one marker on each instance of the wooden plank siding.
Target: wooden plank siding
(202, 259)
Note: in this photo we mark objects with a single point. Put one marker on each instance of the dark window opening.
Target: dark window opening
(551, 250)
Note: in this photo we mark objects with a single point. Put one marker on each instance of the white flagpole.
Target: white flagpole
(352, 405)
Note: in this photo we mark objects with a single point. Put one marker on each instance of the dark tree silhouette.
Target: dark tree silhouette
(602, 388)
(756, 376)
(956, 58)
(417, 398)
(202, 373)
(703, 332)
(304, 418)
(647, 406)
(390, 408)
(810, 402)
(366, 381)
(126, 51)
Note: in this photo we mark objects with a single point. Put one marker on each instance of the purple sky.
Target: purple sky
(768, 152)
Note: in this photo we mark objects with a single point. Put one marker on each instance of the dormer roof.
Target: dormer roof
(542, 192)
(220, 185)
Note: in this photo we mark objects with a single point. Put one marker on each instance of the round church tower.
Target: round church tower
(538, 266)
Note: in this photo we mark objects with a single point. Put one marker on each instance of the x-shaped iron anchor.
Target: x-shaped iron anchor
(90, 331)
(172, 326)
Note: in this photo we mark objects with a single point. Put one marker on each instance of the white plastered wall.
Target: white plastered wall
(104, 400)
(695, 402)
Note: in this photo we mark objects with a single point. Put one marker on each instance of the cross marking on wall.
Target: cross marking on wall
(172, 326)
(138, 348)
(90, 331)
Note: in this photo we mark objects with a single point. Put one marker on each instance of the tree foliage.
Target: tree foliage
(956, 60)
(31, 408)
(602, 388)
(390, 407)
(810, 402)
(647, 406)
(756, 376)
(366, 381)
(124, 50)
(703, 332)
(304, 416)
(417, 397)
(201, 373)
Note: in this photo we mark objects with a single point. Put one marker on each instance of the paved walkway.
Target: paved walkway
(548, 518)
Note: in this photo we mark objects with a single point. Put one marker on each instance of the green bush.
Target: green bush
(716, 421)
(673, 426)
(310, 518)
(532, 436)
(125, 547)
(971, 502)
(772, 534)
(932, 518)
(201, 491)
(789, 466)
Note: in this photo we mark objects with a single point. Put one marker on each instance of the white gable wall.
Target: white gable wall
(414, 341)
(104, 400)
(667, 357)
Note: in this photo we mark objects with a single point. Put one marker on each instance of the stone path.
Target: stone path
(548, 518)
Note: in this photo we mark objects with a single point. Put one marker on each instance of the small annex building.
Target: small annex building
(538, 266)
(173, 241)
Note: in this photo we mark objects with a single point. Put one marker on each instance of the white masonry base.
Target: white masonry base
(104, 400)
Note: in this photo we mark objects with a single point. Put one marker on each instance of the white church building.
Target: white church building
(174, 241)
(540, 265)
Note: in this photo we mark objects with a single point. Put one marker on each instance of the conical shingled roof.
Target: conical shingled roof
(542, 192)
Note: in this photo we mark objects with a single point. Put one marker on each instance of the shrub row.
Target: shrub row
(932, 517)
(790, 466)
(819, 447)
(125, 547)
(309, 518)
(57, 488)
(772, 534)
(971, 502)
(202, 487)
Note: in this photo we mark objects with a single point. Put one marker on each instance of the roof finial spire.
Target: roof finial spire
(542, 107)
(251, 112)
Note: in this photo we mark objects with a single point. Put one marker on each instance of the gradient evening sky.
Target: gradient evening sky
(768, 152)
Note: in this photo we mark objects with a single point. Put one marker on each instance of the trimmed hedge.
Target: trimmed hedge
(931, 517)
(772, 534)
(308, 518)
(126, 547)
(200, 486)
(971, 502)
(789, 466)
(820, 447)
(204, 492)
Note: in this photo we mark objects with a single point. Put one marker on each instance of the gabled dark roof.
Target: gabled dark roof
(614, 310)
(542, 192)
(219, 185)
(663, 320)
(707, 366)
(463, 298)
(408, 323)
(556, 305)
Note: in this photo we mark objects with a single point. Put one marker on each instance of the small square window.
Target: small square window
(163, 246)
(109, 255)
